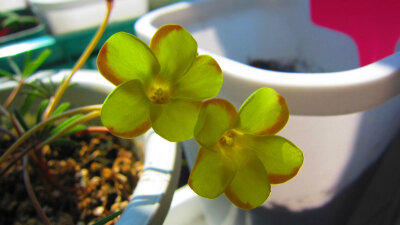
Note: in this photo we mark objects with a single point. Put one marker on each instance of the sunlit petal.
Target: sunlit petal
(125, 112)
(250, 186)
(216, 117)
(211, 173)
(175, 121)
(263, 112)
(125, 57)
(281, 158)
(175, 49)
(202, 81)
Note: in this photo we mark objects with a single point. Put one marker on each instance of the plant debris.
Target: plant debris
(91, 177)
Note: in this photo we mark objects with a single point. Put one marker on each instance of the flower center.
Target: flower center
(227, 139)
(159, 95)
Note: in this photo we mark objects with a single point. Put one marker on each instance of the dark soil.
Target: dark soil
(273, 65)
(91, 176)
(291, 66)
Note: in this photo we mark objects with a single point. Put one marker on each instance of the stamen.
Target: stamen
(159, 96)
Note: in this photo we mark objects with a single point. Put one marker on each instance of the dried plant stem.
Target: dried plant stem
(14, 93)
(29, 133)
(81, 61)
(94, 129)
(9, 133)
(31, 193)
(16, 125)
(3, 111)
(46, 175)
(14, 160)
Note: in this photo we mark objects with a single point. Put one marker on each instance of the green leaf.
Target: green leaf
(175, 121)
(125, 111)
(250, 186)
(202, 81)
(107, 218)
(28, 57)
(125, 57)
(41, 109)
(61, 108)
(175, 49)
(281, 158)
(216, 117)
(65, 124)
(35, 89)
(26, 106)
(20, 120)
(32, 66)
(263, 112)
(75, 129)
(211, 173)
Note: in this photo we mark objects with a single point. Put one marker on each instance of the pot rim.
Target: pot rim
(347, 91)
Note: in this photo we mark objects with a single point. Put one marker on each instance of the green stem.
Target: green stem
(81, 120)
(85, 55)
(41, 125)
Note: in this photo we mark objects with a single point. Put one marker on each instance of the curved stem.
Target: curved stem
(81, 120)
(14, 93)
(32, 195)
(16, 125)
(15, 159)
(41, 125)
(94, 129)
(9, 133)
(82, 59)
(3, 111)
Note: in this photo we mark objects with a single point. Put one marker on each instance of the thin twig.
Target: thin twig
(42, 124)
(9, 133)
(15, 159)
(16, 125)
(46, 174)
(93, 129)
(14, 66)
(81, 61)
(3, 111)
(31, 193)
(14, 93)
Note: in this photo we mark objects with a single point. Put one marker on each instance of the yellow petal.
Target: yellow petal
(263, 112)
(250, 187)
(175, 49)
(125, 111)
(216, 117)
(125, 57)
(211, 173)
(281, 158)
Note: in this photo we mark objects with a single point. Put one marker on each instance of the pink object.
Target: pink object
(374, 25)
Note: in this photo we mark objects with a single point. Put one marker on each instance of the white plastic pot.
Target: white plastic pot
(152, 196)
(342, 118)
(12, 5)
(65, 16)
